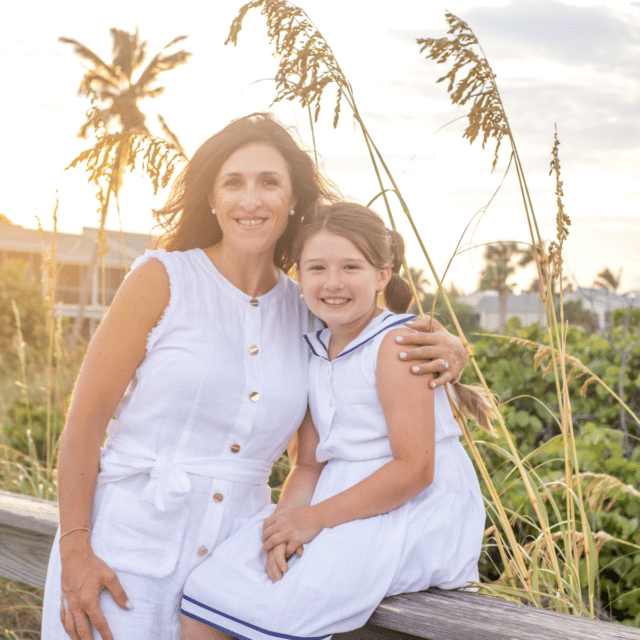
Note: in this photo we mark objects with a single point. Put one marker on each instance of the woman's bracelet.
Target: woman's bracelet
(66, 533)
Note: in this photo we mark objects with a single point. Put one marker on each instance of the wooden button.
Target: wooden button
(254, 397)
(218, 497)
(202, 551)
(235, 448)
(254, 302)
(253, 350)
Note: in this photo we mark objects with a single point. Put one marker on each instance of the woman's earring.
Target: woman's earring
(302, 295)
(292, 212)
(213, 211)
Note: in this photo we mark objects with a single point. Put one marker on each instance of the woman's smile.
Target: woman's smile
(252, 197)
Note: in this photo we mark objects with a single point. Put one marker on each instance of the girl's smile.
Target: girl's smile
(339, 284)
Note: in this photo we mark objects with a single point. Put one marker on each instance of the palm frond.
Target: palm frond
(86, 54)
(128, 51)
(159, 64)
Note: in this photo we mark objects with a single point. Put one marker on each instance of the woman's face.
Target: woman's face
(253, 197)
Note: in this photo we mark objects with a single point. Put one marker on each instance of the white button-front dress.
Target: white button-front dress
(218, 396)
(432, 540)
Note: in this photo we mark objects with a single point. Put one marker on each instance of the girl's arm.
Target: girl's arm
(297, 490)
(305, 469)
(116, 349)
(408, 411)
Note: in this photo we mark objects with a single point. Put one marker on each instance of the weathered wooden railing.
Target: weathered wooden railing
(28, 525)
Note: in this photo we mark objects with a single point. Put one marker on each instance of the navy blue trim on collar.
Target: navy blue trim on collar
(405, 318)
(393, 324)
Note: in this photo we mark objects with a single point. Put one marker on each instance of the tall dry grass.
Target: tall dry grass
(557, 566)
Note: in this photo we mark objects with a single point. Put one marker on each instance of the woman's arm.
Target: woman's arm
(429, 347)
(116, 349)
(408, 412)
(297, 490)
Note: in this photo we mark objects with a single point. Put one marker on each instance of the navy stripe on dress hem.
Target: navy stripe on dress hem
(234, 634)
(246, 624)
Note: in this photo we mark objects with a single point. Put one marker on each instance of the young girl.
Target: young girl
(381, 487)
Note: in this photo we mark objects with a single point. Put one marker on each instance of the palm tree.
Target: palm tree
(606, 280)
(496, 273)
(111, 87)
(114, 95)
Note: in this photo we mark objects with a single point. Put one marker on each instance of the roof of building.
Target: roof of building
(489, 301)
(602, 299)
(72, 248)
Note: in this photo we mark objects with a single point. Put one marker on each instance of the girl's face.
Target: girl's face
(339, 285)
(253, 196)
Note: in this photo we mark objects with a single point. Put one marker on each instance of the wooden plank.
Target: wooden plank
(28, 526)
(451, 615)
(25, 512)
(24, 555)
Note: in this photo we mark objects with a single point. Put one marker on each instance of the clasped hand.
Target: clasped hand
(284, 533)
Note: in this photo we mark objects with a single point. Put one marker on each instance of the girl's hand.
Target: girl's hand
(432, 346)
(276, 565)
(293, 526)
(84, 576)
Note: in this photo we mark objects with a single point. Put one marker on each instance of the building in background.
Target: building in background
(529, 309)
(78, 276)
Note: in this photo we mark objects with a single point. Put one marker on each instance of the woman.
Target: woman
(201, 360)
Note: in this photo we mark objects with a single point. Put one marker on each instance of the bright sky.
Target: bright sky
(574, 64)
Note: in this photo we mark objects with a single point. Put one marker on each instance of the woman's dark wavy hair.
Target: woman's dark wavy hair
(186, 219)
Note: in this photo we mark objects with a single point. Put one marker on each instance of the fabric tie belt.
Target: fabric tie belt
(169, 481)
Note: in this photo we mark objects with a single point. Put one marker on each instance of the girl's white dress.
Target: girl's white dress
(432, 540)
(218, 396)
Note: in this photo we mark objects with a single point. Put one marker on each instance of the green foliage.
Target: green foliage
(609, 471)
(467, 317)
(19, 289)
(576, 315)
(25, 428)
(20, 608)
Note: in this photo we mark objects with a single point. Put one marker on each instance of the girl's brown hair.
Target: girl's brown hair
(384, 248)
(186, 218)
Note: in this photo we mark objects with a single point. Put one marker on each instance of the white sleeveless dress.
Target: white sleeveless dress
(218, 396)
(432, 540)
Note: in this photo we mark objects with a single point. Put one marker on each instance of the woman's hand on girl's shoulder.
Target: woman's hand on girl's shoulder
(395, 369)
(432, 349)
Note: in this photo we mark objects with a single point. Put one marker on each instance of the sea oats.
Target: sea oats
(487, 113)
(307, 65)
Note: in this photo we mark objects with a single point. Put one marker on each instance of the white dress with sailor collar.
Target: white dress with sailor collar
(432, 540)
